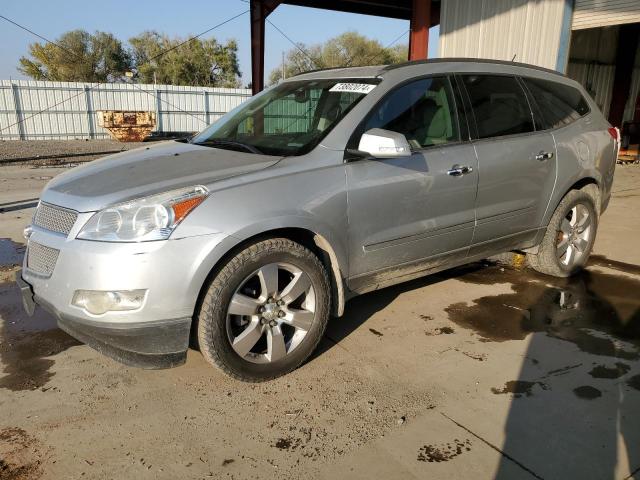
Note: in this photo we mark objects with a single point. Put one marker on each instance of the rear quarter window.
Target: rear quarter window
(559, 104)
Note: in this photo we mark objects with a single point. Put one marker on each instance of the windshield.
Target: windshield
(289, 119)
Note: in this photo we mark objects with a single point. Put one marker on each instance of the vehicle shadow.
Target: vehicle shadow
(575, 411)
(359, 309)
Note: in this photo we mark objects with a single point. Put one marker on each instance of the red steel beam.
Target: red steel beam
(257, 45)
(259, 10)
(422, 15)
(419, 36)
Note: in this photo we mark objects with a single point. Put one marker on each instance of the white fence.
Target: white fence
(35, 110)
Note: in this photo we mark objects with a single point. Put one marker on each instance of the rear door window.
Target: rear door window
(559, 104)
(423, 111)
(499, 105)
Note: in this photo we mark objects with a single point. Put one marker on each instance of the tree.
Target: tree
(349, 49)
(197, 62)
(79, 56)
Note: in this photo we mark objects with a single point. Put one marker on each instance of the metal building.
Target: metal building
(593, 41)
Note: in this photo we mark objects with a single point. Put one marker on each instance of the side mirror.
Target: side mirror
(380, 143)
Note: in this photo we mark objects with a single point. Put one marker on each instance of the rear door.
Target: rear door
(516, 162)
(405, 210)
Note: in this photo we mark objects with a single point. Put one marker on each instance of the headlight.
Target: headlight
(143, 219)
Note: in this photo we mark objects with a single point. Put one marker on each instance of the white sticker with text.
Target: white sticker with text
(352, 87)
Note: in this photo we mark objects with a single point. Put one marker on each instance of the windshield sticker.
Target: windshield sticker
(352, 87)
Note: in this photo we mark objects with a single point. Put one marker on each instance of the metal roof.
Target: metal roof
(400, 9)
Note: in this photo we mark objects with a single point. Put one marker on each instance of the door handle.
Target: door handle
(544, 156)
(458, 170)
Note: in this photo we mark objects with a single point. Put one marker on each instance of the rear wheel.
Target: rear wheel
(569, 238)
(265, 311)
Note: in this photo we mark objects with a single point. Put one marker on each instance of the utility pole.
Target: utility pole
(283, 70)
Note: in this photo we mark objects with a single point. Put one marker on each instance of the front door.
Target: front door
(406, 213)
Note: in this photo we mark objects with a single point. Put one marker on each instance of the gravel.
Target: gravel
(28, 149)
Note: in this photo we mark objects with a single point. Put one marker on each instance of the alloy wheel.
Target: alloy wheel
(270, 313)
(574, 235)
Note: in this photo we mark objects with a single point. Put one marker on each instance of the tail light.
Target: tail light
(615, 134)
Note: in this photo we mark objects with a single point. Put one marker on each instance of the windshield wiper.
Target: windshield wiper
(220, 142)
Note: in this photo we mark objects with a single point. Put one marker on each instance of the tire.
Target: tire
(247, 301)
(563, 230)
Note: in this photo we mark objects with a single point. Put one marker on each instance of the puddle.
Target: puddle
(617, 371)
(27, 342)
(587, 392)
(634, 382)
(598, 312)
(11, 254)
(519, 388)
(602, 261)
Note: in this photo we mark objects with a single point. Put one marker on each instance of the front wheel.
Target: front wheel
(569, 238)
(265, 311)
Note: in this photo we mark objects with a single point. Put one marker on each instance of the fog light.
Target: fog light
(98, 302)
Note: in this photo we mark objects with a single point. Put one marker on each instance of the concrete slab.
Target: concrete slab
(546, 372)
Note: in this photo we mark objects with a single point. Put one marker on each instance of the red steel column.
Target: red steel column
(419, 36)
(257, 45)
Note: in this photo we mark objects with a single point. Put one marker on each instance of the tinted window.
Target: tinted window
(559, 104)
(423, 111)
(499, 105)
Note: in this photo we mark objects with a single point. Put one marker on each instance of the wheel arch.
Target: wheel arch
(310, 239)
(589, 184)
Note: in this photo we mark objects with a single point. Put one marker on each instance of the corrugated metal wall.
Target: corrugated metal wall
(592, 62)
(634, 91)
(71, 108)
(597, 79)
(598, 13)
(500, 29)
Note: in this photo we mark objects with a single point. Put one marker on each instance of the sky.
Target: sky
(126, 19)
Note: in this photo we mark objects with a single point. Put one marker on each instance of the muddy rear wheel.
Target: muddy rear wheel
(569, 238)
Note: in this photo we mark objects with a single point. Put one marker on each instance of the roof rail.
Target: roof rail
(470, 60)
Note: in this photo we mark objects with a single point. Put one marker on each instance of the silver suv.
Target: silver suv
(246, 238)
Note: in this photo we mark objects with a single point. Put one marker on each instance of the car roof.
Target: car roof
(439, 64)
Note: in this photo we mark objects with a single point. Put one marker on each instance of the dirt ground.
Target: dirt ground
(479, 372)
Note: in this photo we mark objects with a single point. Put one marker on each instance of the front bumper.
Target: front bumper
(172, 272)
(151, 344)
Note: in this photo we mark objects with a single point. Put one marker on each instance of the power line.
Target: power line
(295, 44)
(386, 47)
(92, 87)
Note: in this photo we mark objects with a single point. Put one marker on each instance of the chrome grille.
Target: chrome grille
(56, 219)
(41, 259)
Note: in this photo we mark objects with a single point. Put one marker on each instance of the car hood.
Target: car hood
(148, 170)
